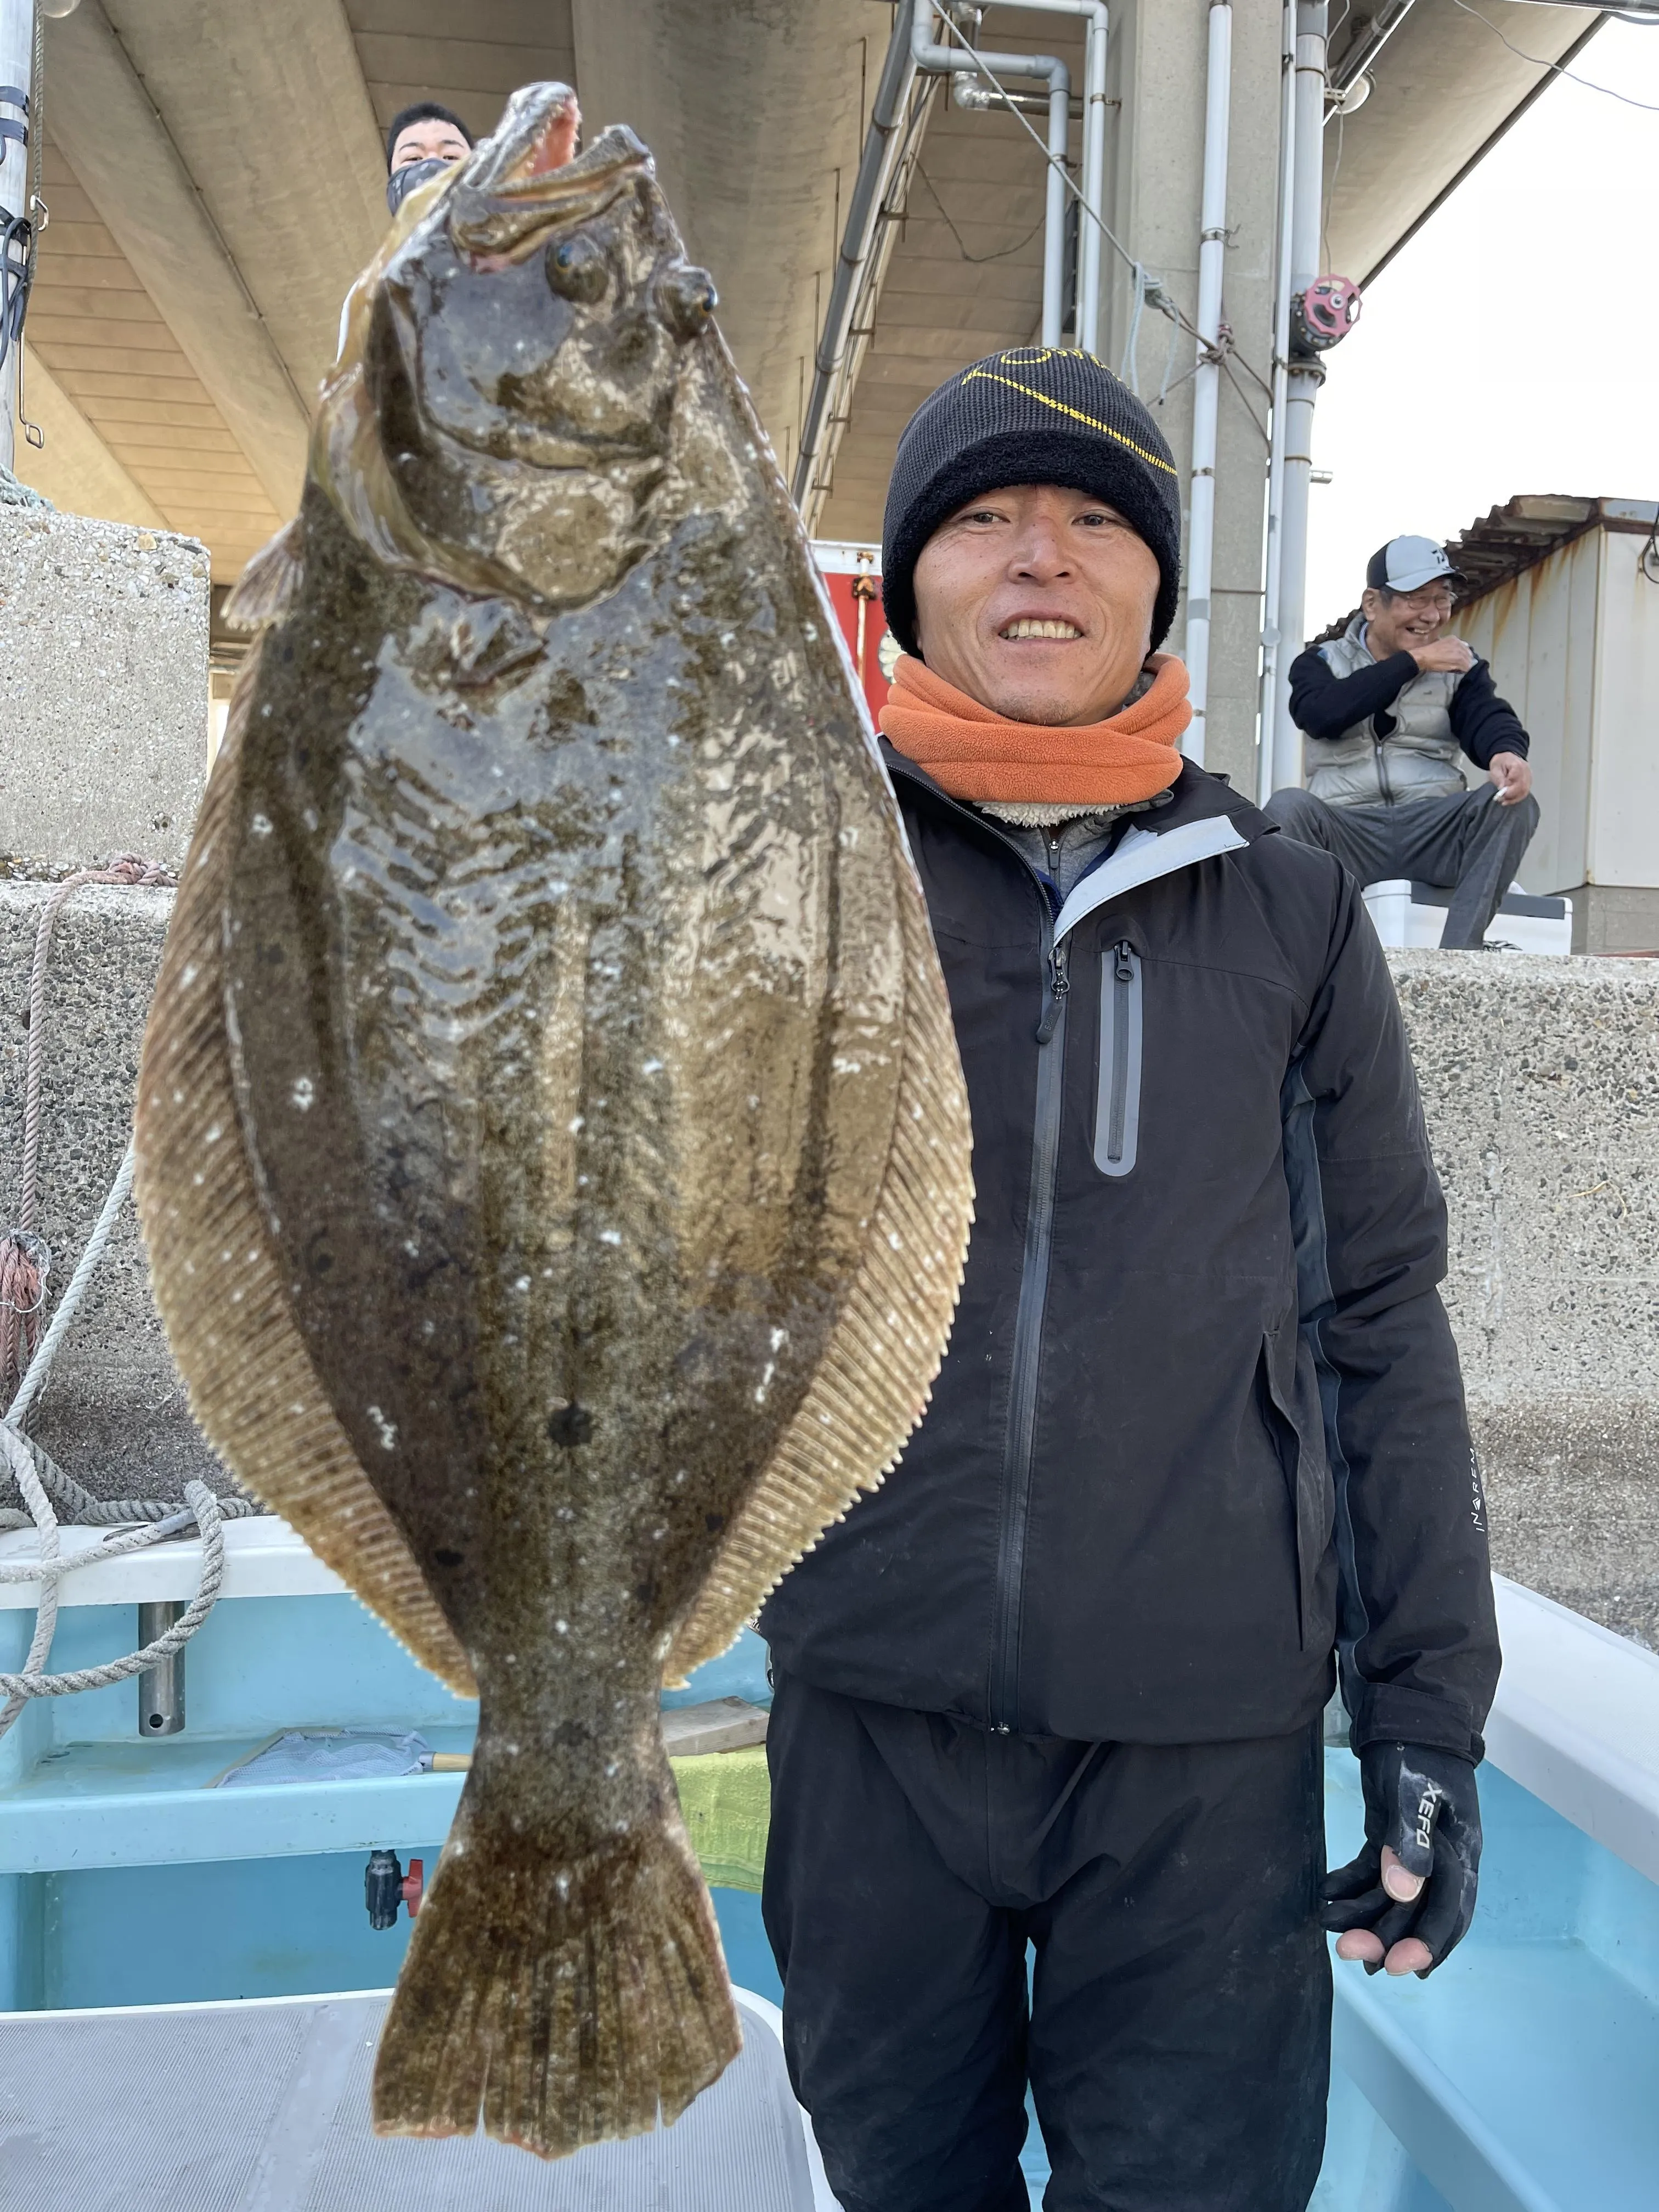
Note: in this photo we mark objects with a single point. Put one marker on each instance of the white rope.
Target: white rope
(97, 1245)
(29, 1464)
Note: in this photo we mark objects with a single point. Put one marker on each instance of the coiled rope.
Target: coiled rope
(37, 1477)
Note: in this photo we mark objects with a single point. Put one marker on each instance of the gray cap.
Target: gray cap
(1404, 564)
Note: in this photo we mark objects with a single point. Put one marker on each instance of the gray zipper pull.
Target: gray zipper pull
(1060, 983)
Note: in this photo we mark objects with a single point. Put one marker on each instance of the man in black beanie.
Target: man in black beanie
(1058, 1684)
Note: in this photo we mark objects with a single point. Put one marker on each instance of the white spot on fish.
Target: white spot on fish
(189, 973)
(260, 825)
(214, 1133)
(523, 1283)
(303, 1093)
(562, 1883)
(653, 1067)
(387, 1431)
(896, 1240)
(562, 1627)
(779, 1338)
(578, 1125)
(611, 1236)
(412, 1246)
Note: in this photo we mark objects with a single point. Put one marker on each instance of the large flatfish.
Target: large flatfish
(553, 1151)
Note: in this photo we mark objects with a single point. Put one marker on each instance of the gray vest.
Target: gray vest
(1420, 760)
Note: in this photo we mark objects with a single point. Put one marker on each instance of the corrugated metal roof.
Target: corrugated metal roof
(1515, 537)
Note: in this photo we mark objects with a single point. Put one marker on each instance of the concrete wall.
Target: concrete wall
(115, 1412)
(1574, 645)
(103, 688)
(1541, 1086)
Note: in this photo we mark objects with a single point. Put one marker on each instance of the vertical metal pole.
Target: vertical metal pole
(1304, 378)
(16, 73)
(1270, 630)
(1054, 221)
(160, 1689)
(1207, 384)
(1090, 240)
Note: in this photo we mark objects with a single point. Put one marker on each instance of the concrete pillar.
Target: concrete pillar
(1155, 162)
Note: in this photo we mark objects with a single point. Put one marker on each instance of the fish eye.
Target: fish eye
(687, 300)
(576, 267)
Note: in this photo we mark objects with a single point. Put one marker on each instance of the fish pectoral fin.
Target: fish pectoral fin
(216, 1275)
(872, 1384)
(562, 2001)
(268, 584)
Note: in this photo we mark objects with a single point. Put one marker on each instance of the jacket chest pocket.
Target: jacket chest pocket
(1117, 1082)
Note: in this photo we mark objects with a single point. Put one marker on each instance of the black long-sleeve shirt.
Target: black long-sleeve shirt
(1324, 704)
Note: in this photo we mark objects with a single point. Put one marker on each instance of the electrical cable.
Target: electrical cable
(1648, 107)
(978, 259)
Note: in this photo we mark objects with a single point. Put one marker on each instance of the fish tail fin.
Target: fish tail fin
(556, 2001)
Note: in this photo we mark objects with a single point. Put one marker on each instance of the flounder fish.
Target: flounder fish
(552, 1145)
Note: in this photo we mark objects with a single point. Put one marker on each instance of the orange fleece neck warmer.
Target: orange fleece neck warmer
(975, 754)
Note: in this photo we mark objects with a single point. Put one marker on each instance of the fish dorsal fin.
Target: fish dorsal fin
(874, 1382)
(217, 1278)
(269, 583)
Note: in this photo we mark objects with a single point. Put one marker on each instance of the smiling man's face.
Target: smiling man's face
(1038, 603)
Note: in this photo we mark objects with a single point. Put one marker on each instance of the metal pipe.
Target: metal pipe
(936, 60)
(1305, 377)
(876, 167)
(1093, 215)
(16, 82)
(1092, 188)
(1269, 701)
(160, 1689)
(1363, 51)
(1207, 384)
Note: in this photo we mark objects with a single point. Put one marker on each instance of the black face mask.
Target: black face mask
(402, 182)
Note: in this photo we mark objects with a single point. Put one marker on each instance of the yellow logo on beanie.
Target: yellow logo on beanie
(1034, 357)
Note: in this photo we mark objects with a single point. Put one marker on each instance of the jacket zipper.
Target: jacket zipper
(1003, 1700)
(1021, 1438)
(1382, 783)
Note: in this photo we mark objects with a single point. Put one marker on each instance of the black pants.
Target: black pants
(1177, 2037)
(1465, 842)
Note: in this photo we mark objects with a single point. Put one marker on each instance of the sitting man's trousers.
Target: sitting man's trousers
(1175, 2027)
(1464, 842)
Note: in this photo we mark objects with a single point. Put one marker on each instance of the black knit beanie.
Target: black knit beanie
(1035, 416)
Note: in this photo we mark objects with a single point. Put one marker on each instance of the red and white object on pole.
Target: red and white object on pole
(852, 575)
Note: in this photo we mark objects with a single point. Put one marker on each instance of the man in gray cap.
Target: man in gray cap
(1389, 707)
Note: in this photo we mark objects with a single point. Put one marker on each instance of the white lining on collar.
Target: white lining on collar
(1142, 857)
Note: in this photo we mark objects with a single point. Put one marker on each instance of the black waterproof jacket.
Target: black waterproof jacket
(1201, 1419)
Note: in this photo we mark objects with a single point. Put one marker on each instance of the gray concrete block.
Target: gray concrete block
(103, 688)
(1541, 1088)
(113, 1414)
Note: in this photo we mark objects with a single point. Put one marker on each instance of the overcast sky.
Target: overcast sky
(1513, 346)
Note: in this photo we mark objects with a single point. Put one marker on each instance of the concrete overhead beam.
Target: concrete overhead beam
(757, 118)
(268, 107)
(75, 468)
(1446, 89)
(119, 148)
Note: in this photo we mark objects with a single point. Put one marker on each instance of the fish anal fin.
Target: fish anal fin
(873, 1383)
(216, 1274)
(268, 584)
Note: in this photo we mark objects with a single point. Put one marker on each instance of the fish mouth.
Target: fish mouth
(514, 187)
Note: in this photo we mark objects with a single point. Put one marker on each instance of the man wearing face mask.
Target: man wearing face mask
(422, 139)
(1388, 708)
